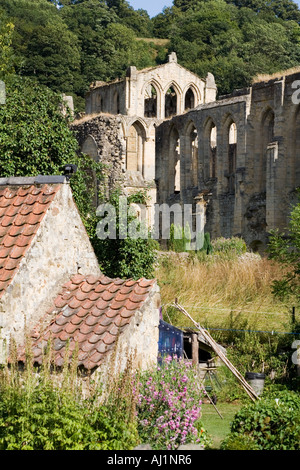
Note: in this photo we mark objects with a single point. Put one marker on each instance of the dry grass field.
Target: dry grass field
(220, 292)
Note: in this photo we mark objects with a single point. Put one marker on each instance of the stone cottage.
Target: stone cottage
(51, 287)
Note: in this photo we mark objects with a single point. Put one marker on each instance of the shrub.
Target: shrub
(169, 406)
(49, 412)
(229, 246)
(235, 442)
(129, 256)
(272, 423)
(207, 246)
(48, 418)
(180, 238)
(43, 420)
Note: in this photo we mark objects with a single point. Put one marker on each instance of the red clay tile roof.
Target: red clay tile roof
(22, 209)
(89, 314)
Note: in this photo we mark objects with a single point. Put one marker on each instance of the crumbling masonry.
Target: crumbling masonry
(235, 158)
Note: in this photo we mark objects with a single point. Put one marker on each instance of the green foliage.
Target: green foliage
(239, 442)
(285, 248)
(35, 138)
(180, 238)
(43, 47)
(207, 246)
(34, 135)
(123, 255)
(122, 49)
(252, 351)
(67, 48)
(285, 9)
(48, 410)
(233, 246)
(233, 42)
(264, 424)
(48, 418)
(137, 20)
(43, 420)
(6, 53)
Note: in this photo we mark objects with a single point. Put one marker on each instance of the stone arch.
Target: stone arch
(150, 101)
(174, 161)
(172, 97)
(116, 103)
(210, 148)
(135, 147)
(230, 136)
(266, 131)
(89, 147)
(191, 97)
(191, 152)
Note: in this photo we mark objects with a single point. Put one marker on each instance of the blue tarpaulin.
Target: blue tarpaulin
(170, 340)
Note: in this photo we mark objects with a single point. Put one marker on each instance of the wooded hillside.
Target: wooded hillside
(68, 44)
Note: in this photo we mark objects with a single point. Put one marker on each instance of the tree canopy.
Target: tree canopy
(68, 44)
(233, 40)
(285, 248)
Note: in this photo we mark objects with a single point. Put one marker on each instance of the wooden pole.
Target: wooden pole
(195, 351)
(248, 389)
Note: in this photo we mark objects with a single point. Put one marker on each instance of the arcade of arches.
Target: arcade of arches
(239, 154)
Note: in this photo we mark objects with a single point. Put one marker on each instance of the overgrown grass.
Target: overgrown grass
(218, 290)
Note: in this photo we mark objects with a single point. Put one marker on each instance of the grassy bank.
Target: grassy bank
(220, 292)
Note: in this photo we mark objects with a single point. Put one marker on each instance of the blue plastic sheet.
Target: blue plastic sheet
(170, 341)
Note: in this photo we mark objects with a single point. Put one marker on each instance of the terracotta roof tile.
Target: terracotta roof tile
(91, 320)
(105, 320)
(76, 319)
(94, 322)
(22, 209)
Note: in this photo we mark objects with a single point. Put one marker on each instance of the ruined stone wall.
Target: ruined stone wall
(127, 96)
(239, 154)
(102, 138)
(249, 183)
(106, 98)
(223, 199)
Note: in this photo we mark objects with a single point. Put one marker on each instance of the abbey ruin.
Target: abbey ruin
(234, 158)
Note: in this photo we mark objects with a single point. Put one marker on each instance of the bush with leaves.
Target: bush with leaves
(34, 134)
(233, 246)
(207, 245)
(48, 411)
(272, 423)
(180, 238)
(285, 248)
(119, 253)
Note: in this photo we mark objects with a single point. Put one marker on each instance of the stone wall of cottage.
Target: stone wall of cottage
(60, 249)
